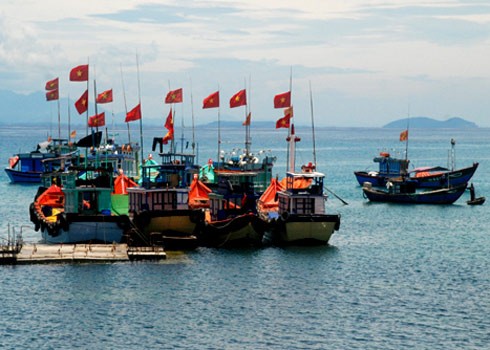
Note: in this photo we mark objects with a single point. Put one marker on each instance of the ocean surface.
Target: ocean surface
(393, 276)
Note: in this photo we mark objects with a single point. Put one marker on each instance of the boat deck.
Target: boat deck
(70, 253)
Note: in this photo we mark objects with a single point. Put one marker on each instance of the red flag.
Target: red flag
(238, 99)
(52, 95)
(79, 73)
(247, 120)
(282, 100)
(52, 84)
(169, 123)
(105, 97)
(134, 114)
(404, 135)
(73, 134)
(174, 96)
(212, 101)
(283, 122)
(168, 137)
(97, 120)
(82, 103)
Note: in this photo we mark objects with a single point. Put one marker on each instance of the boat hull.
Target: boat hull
(241, 231)
(88, 229)
(434, 180)
(303, 229)
(16, 176)
(175, 229)
(438, 196)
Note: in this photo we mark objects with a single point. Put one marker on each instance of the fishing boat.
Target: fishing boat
(231, 219)
(423, 177)
(74, 206)
(28, 167)
(159, 207)
(405, 191)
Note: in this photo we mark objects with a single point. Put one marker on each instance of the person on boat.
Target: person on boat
(472, 192)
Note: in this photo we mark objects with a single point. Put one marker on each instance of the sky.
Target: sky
(367, 62)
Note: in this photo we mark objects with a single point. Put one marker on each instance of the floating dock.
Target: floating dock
(72, 253)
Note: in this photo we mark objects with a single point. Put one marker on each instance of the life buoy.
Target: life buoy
(285, 216)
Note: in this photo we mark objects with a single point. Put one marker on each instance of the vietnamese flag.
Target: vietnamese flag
(97, 120)
(169, 123)
(174, 96)
(79, 73)
(134, 114)
(283, 122)
(52, 95)
(212, 101)
(52, 84)
(247, 120)
(282, 100)
(104, 97)
(82, 103)
(238, 99)
(404, 135)
(169, 136)
(73, 134)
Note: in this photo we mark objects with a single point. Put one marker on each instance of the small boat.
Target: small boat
(405, 191)
(473, 200)
(231, 219)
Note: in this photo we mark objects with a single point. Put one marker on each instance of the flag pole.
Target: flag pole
(59, 124)
(247, 110)
(86, 112)
(139, 101)
(69, 119)
(125, 103)
(290, 124)
(192, 113)
(313, 127)
(219, 133)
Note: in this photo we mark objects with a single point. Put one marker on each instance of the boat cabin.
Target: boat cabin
(235, 194)
(303, 194)
(175, 171)
(389, 166)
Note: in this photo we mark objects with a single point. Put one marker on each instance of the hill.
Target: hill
(429, 123)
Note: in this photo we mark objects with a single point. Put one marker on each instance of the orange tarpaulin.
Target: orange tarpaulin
(268, 199)
(122, 183)
(198, 194)
(299, 183)
(53, 197)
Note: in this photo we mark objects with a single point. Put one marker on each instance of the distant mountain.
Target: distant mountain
(429, 123)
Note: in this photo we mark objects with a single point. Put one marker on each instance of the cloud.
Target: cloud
(387, 51)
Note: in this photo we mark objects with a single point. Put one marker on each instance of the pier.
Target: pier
(39, 253)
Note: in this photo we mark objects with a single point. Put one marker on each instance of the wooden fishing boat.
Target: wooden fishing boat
(70, 209)
(423, 177)
(28, 167)
(405, 191)
(159, 207)
(231, 219)
(473, 200)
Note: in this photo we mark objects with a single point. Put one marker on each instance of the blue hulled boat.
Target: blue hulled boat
(405, 191)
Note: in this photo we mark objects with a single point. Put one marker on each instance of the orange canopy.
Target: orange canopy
(53, 197)
(299, 183)
(268, 199)
(198, 194)
(122, 183)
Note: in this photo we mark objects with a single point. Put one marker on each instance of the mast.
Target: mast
(192, 113)
(125, 103)
(291, 128)
(139, 102)
(247, 124)
(313, 127)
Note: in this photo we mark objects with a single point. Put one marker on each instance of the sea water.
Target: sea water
(393, 276)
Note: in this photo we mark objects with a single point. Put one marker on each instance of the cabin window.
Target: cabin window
(304, 206)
